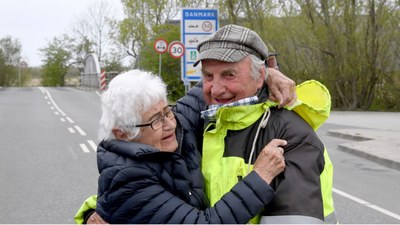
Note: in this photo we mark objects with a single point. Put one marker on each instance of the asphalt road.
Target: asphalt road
(48, 161)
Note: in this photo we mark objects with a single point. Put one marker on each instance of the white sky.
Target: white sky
(35, 22)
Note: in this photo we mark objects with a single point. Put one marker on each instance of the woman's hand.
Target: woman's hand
(270, 162)
(282, 89)
(96, 219)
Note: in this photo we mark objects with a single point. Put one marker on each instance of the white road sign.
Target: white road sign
(196, 25)
(161, 45)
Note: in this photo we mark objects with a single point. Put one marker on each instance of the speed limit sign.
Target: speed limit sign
(176, 49)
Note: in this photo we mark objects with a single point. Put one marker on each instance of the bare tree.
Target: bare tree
(94, 27)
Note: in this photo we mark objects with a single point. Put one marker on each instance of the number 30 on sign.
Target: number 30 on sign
(176, 49)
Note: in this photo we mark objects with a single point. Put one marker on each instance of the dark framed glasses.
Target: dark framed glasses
(158, 122)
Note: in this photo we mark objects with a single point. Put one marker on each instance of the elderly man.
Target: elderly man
(240, 121)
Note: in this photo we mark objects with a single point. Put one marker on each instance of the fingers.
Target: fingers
(280, 150)
(96, 219)
(275, 143)
(282, 89)
(270, 162)
(272, 62)
(274, 151)
(294, 99)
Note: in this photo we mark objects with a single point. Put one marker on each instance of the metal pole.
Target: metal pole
(159, 66)
(19, 74)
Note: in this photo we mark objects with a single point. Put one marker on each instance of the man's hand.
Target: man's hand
(282, 89)
(96, 219)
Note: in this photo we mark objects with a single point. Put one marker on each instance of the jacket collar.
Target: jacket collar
(130, 149)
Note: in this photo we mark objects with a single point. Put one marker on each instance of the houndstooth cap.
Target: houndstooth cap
(232, 43)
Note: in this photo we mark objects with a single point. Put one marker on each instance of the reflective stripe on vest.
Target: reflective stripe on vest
(290, 219)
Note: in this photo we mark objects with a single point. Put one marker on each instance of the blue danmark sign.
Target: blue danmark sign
(196, 24)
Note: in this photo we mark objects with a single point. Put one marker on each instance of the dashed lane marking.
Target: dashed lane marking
(80, 130)
(69, 119)
(84, 148)
(93, 145)
(71, 130)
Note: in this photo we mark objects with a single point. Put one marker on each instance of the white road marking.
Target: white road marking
(52, 101)
(69, 120)
(84, 148)
(367, 204)
(80, 130)
(93, 145)
(58, 111)
(41, 89)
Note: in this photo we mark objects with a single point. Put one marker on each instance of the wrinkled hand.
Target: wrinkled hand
(282, 89)
(96, 219)
(270, 162)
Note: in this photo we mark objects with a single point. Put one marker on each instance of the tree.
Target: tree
(10, 54)
(171, 70)
(143, 17)
(93, 31)
(58, 57)
(348, 45)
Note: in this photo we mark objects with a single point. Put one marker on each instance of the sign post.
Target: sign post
(196, 25)
(161, 46)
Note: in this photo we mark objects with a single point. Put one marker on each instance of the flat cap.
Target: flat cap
(232, 43)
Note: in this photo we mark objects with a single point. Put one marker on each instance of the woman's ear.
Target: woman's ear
(118, 134)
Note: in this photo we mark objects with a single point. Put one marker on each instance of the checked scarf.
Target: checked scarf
(212, 109)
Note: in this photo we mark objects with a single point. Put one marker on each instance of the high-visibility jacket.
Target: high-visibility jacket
(231, 145)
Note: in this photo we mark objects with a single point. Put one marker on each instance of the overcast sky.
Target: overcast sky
(35, 22)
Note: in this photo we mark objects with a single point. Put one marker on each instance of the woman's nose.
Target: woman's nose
(169, 123)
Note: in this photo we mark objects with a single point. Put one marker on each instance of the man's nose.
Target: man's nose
(218, 87)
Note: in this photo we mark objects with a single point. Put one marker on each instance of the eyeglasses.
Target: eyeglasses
(158, 122)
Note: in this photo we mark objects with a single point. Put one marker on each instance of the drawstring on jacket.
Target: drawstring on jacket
(262, 124)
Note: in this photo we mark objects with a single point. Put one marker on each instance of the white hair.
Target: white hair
(128, 95)
(256, 66)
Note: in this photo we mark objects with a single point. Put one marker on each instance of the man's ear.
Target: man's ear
(261, 80)
(118, 134)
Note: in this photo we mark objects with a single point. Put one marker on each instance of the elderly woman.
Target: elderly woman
(150, 169)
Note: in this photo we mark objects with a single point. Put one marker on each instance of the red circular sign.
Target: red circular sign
(161, 45)
(207, 26)
(176, 49)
